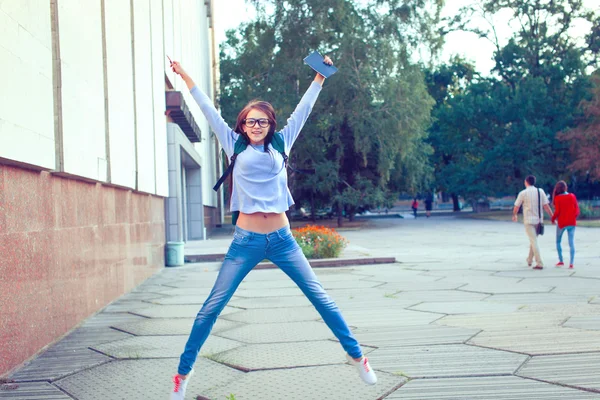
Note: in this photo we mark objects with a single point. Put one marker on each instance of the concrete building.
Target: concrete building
(97, 171)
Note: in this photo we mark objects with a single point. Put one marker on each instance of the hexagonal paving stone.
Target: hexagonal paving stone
(278, 333)
(570, 285)
(182, 300)
(129, 379)
(445, 361)
(31, 391)
(440, 295)
(283, 355)
(588, 322)
(267, 285)
(418, 335)
(351, 284)
(387, 317)
(277, 292)
(579, 370)
(170, 326)
(120, 306)
(499, 287)
(161, 346)
(176, 311)
(188, 292)
(498, 322)
(497, 388)
(538, 341)
(270, 302)
(536, 298)
(339, 382)
(411, 286)
(532, 273)
(265, 315)
(465, 307)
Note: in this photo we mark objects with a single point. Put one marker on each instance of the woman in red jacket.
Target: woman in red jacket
(566, 211)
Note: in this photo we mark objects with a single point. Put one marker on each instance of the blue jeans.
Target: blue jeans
(247, 250)
(571, 234)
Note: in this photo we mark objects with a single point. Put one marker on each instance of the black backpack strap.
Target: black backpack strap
(240, 145)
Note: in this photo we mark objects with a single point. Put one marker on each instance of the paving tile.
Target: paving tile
(412, 286)
(589, 323)
(577, 370)
(270, 302)
(264, 315)
(440, 295)
(497, 287)
(485, 388)
(161, 346)
(336, 382)
(465, 307)
(535, 274)
(106, 320)
(450, 360)
(277, 333)
(189, 299)
(141, 296)
(128, 379)
(387, 317)
(31, 391)
(267, 285)
(536, 298)
(175, 311)
(512, 321)
(284, 355)
(121, 306)
(570, 285)
(352, 284)
(418, 335)
(277, 292)
(170, 326)
(540, 341)
(69, 355)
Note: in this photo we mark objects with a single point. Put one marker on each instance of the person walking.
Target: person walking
(261, 195)
(428, 204)
(415, 206)
(566, 211)
(532, 199)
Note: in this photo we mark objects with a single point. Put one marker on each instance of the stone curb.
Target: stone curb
(322, 263)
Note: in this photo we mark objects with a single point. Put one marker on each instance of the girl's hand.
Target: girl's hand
(177, 68)
(327, 60)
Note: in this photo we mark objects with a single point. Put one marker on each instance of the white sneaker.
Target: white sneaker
(364, 370)
(180, 385)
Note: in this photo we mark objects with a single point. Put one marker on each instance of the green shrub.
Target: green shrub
(587, 211)
(319, 242)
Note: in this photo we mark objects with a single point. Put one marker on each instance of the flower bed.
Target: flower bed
(319, 242)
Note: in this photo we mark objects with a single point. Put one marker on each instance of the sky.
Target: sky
(229, 13)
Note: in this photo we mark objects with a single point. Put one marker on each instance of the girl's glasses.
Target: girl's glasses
(262, 122)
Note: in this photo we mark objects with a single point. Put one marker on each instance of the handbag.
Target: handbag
(539, 228)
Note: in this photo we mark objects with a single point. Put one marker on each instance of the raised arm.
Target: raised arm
(303, 109)
(226, 135)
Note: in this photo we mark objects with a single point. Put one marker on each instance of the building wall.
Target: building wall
(68, 248)
(83, 155)
(26, 73)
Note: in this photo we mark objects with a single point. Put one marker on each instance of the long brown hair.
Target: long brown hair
(266, 108)
(560, 188)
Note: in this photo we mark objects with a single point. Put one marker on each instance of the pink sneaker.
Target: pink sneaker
(560, 264)
(365, 371)
(180, 385)
(570, 265)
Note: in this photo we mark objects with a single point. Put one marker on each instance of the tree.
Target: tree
(584, 138)
(370, 121)
(504, 127)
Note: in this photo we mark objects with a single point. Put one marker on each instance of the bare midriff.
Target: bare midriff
(260, 222)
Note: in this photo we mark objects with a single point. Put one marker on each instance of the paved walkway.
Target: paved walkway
(459, 316)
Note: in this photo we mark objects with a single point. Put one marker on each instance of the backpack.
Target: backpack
(240, 145)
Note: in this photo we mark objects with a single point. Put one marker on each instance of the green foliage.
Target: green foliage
(488, 134)
(587, 211)
(368, 128)
(319, 242)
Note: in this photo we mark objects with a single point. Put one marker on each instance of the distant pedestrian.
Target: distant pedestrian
(566, 211)
(415, 206)
(532, 199)
(428, 204)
